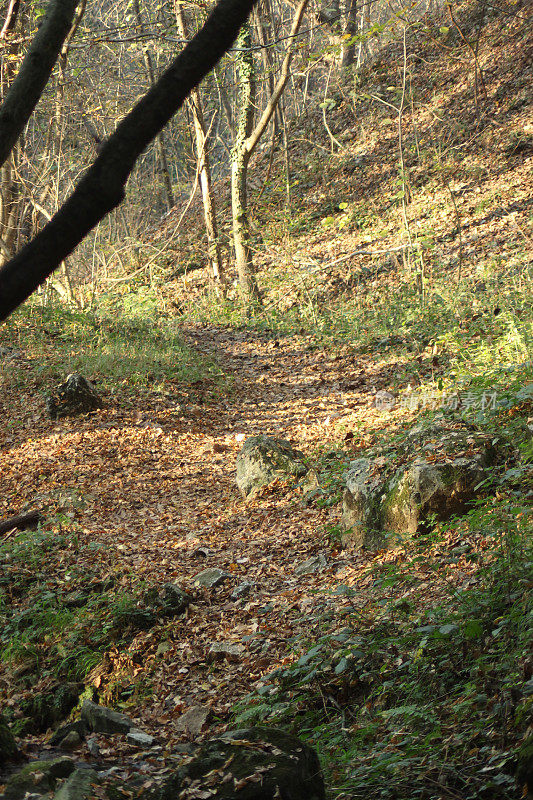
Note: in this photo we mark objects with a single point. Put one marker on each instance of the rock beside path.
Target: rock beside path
(249, 764)
(210, 578)
(8, 746)
(441, 472)
(75, 396)
(104, 720)
(263, 459)
(39, 776)
(79, 786)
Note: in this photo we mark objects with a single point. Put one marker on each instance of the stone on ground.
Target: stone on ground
(104, 720)
(442, 471)
(8, 746)
(228, 651)
(76, 395)
(263, 459)
(193, 720)
(210, 578)
(39, 776)
(140, 738)
(250, 764)
(79, 786)
(310, 565)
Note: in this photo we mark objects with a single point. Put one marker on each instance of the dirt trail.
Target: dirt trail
(152, 485)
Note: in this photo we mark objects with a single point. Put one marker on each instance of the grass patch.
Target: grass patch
(133, 347)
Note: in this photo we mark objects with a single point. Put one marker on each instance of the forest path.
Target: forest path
(151, 489)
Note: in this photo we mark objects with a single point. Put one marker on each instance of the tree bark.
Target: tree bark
(204, 167)
(34, 73)
(350, 30)
(160, 146)
(101, 189)
(246, 141)
(239, 166)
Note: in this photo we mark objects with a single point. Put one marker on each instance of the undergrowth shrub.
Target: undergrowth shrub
(425, 703)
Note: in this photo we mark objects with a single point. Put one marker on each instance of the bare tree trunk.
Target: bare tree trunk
(225, 101)
(9, 206)
(58, 122)
(350, 29)
(246, 141)
(160, 147)
(239, 166)
(266, 56)
(9, 190)
(204, 167)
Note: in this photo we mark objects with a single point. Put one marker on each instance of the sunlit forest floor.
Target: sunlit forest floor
(408, 669)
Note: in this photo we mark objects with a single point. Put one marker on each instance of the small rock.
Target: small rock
(310, 482)
(203, 552)
(383, 400)
(76, 395)
(41, 774)
(8, 747)
(139, 738)
(263, 459)
(193, 720)
(93, 748)
(71, 740)
(210, 578)
(104, 720)
(240, 591)
(314, 564)
(227, 650)
(172, 600)
(79, 786)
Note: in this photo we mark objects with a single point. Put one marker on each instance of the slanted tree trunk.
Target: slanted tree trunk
(204, 167)
(246, 140)
(101, 189)
(25, 90)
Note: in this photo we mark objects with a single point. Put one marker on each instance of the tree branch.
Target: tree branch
(101, 189)
(256, 134)
(34, 73)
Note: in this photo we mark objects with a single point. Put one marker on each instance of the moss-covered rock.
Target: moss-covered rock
(250, 764)
(8, 746)
(39, 776)
(46, 709)
(437, 474)
(263, 459)
(79, 786)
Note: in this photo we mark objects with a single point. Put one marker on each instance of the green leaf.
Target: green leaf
(341, 666)
(445, 630)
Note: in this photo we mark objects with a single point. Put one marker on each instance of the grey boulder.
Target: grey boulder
(104, 720)
(250, 764)
(79, 786)
(442, 471)
(263, 459)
